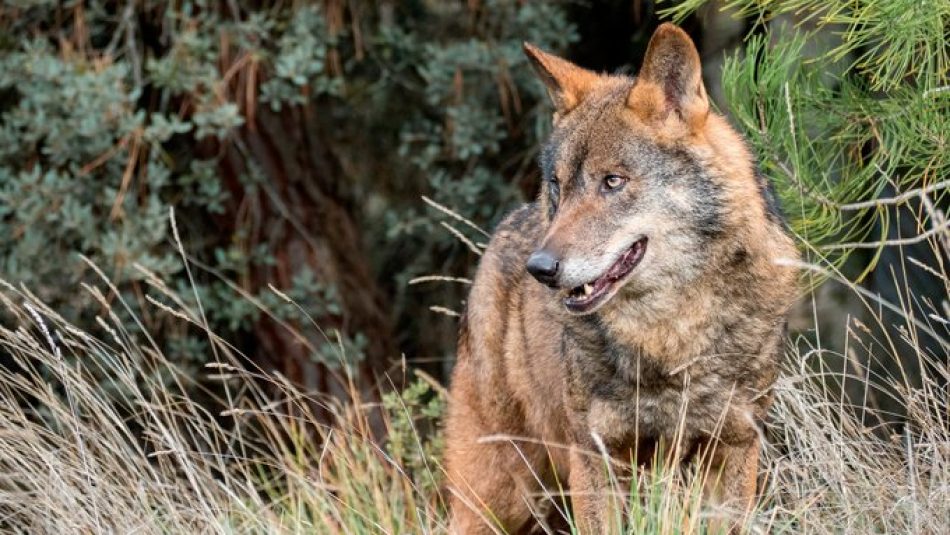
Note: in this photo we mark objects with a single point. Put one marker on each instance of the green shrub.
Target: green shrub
(260, 125)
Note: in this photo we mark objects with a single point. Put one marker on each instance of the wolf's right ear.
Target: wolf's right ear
(567, 84)
(670, 83)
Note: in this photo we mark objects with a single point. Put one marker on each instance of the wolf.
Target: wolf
(639, 302)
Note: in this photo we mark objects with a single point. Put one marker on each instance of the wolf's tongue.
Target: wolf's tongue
(620, 265)
(617, 271)
(600, 283)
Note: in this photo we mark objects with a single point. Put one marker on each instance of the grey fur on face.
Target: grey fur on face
(668, 198)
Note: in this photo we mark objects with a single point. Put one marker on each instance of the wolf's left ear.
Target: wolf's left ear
(670, 81)
(567, 84)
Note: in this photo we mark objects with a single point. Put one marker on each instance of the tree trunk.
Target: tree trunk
(304, 215)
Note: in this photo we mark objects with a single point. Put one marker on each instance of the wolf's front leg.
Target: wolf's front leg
(595, 505)
(491, 482)
(732, 483)
(491, 486)
(733, 476)
(734, 459)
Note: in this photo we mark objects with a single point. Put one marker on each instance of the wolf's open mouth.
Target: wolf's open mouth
(587, 297)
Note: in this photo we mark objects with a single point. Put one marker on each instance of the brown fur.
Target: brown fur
(684, 354)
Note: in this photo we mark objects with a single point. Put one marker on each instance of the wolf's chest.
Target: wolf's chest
(626, 390)
(690, 409)
(626, 396)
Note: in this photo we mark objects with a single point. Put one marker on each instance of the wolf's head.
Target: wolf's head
(642, 183)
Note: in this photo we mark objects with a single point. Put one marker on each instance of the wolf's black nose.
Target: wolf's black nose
(543, 266)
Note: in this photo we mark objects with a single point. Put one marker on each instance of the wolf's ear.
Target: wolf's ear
(670, 80)
(567, 84)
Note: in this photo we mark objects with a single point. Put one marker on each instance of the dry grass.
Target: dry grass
(104, 435)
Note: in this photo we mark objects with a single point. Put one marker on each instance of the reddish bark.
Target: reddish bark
(305, 216)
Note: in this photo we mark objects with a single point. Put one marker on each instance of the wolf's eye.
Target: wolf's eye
(612, 182)
(554, 192)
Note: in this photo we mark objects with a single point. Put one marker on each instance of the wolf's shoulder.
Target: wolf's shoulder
(513, 240)
(520, 229)
(525, 219)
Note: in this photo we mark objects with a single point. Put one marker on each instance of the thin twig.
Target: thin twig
(439, 278)
(448, 211)
(443, 310)
(898, 199)
(462, 238)
(936, 90)
(124, 20)
(884, 243)
(130, 45)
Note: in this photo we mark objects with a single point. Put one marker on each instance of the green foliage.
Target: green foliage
(893, 43)
(414, 437)
(300, 61)
(835, 127)
(111, 114)
(468, 132)
(60, 118)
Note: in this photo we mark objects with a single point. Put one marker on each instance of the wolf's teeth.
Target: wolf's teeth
(588, 289)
